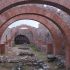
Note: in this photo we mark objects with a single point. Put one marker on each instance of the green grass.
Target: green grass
(38, 53)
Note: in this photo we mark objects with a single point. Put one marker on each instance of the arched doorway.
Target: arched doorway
(21, 39)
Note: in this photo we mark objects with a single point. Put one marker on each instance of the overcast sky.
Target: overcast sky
(27, 22)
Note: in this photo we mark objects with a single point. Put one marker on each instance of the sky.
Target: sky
(32, 23)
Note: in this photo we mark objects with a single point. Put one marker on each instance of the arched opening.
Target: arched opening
(60, 26)
(40, 40)
(21, 39)
(43, 21)
(35, 31)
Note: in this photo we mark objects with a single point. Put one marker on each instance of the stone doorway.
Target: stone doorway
(21, 39)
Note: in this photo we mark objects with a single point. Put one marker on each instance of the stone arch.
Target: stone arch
(61, 24)
(63, 5)
(33, 31)
(51, 27)
(64, 28)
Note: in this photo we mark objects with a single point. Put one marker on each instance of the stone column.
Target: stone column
(49, 48)
(2, 49)
(67, 58)
(57, 50)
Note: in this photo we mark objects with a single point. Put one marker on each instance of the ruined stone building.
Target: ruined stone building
(52, 34)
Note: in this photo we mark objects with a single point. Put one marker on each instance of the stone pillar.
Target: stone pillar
(57, 50)
(67, 58)
(2, 49)
(49, 48)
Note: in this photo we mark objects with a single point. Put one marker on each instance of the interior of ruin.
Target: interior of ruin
(34, 34)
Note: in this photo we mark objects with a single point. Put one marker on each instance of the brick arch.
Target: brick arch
(49, 14)
(65, 29)
(63, 5)
(39, 11)
(30, 28)
(15, 30)
(15, 12)
(33, 31)
(52, 28)
(62, 25)
(36, 41)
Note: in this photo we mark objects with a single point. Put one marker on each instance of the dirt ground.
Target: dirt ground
(39, 55)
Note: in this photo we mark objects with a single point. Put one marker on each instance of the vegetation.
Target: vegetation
(37, 52)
